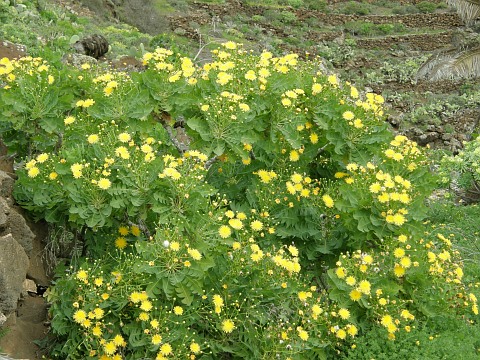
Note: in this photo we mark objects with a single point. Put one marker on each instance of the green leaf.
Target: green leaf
(184, 293)
(363, 218)
(200, 126)
(139, 106)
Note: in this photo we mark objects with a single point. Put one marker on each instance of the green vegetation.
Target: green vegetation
(289, 218)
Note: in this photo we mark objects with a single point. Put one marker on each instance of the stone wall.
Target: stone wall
(431, 21)
(423, 42)
(16, 244)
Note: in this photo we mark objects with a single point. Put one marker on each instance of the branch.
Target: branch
(322, 149)
(180, 147)
(210, 162)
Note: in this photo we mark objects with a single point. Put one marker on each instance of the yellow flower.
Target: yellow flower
(286, 102)
(344, 313)
(294, 156)
(296, 178)
(122, 152)
(110, 348)
(42, 158)
(156, 339)
(313, 138)
(228, 326)
(384, 197)
(135, 297)
(350, 281)
(166, 349)
(124, 137)
(146, 305)
(332, 79)
(104, 183)
(223, 78)
(348, 115)
(93, 139)
(340, 272)
(135, 230)
(195, 254)
(302, 334)
(225, 231)
(80, 316)
(316, 88)
(97, 331)
(256, 225)
(352, 330)
(33, 172)
(386, 320)
(328, 201)
(123, 230)
(118, 340)
(195, 348)
(304, 295)
(399, 252)
(357, 123)
(341, 334)
(175, 246)
(143, 316)
(230, 45)
(250, 75)
(53, 175)
(69, 120)
(120, 243)
(399, 270)
(98, 313)
(316, 310)
(293, 250)
(87, 103)
(177, 310)
(406, 262)
(235, 223)
(82, 275)
(364, 287)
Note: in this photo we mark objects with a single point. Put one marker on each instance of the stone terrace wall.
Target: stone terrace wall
(433, 21)
(424, 42)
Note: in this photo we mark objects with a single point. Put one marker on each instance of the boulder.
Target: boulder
(13, 270)
(17, 226)
(6, 186)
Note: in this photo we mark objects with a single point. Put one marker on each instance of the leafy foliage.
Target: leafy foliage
(281, 219)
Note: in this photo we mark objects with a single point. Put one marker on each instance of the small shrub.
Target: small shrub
(406, 9)
(426, 7)
(318, 5)
(355, 8)
(288, 17)
(293, 3)
(258, 18)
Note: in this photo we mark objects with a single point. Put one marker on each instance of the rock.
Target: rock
(20, 8)
(17, 226)
(6, 186)
(11, 50)
(95, 46)
(4, 211)
(78, 60)
(3, 319)
(29, 286)
(128, 64)
(13, 269)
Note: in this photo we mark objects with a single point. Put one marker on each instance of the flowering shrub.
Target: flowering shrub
(291, 220)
